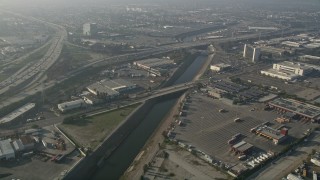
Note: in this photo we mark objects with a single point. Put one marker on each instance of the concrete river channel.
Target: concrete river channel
(147, 120)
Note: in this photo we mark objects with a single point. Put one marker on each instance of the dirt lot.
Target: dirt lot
(181, 164)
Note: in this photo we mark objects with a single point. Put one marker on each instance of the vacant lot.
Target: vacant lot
(91, 131)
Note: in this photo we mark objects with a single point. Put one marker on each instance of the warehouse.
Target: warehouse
(18, 146)
(304, 110)
(66, 106)
(220, 67)
(242, 148)
(27, 142)
(217, 93)
(289, 70)
(275, 135)
(110, 88)
(17, 113)
(6, 150)
(155, 66)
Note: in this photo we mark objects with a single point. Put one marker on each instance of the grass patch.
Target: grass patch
(76, 55)
(91, 131)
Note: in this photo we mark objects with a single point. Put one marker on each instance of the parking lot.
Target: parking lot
(209, 130)
(257, 78)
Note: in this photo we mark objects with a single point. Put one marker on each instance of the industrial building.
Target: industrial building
(90, 29)
(251, 52)
(17, 113)
(242, 148)
(275, 135)
(296, 68)
(275, 51)
(18, 146)
(309, 57)
(109, 89)
(217, 93)
(261, 28)
(288, 70)
(291, 44)
(220, 67)
(6, 150)
(155, 66)
(27, 142)
(304, 110)
(66, 106)
(279, 74)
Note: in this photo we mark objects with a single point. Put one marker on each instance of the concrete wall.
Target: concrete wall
(90, 164)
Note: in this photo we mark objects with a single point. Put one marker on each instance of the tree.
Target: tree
(35, 126)
(69, 120)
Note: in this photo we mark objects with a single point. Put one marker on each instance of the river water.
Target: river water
(121, 159)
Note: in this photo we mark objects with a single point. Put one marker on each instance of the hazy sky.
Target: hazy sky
(63, 3)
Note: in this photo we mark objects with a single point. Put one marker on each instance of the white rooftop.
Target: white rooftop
(311, 57)
(6, 147)
(222, 65)
(281, 73)
(71, 103)
(297, 65)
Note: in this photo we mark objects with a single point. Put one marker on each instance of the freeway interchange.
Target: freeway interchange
(29, 79)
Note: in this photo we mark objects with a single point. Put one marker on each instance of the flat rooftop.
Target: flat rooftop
(281, 73)
(16, 113)
(297, 65)
(155, 62)
(98, 87)
(5, 147)
(297, 107)
(221, 65)
(110, 87)
(268, 131)
(310, 57)
(272, 49)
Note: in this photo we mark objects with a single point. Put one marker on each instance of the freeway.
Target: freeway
(38, 69)
(24, 92)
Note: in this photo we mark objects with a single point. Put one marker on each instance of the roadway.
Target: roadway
(39, 68)
(97, 110)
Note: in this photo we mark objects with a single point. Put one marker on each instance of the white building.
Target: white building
(315, 161)
(89, 29)
(18, 146)
(278, 74)
(309, 57)
(291, 44)
(155, 66)
(6, 150)
(219, 67)
(293, 177)
(110, 88)
(289, 70)
(296, 68)
(66, 106)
